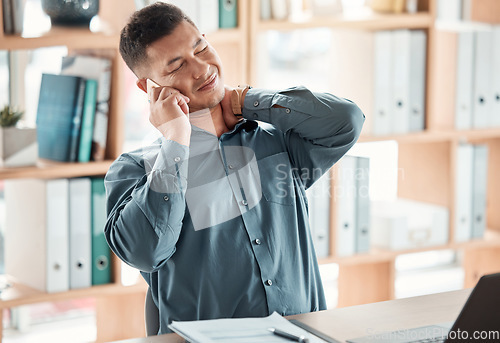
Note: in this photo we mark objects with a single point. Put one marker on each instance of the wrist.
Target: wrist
(176, 130)
(237, 99)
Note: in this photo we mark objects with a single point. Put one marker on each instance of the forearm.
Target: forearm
(318, 128)
(318, 117)
(146, 205)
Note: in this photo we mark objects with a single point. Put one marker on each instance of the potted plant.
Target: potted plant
(18, 146)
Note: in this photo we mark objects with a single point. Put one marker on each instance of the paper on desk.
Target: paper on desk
(239, 330)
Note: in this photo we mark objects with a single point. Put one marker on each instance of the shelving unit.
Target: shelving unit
(427, 158)
(119, 308)
(18, 294)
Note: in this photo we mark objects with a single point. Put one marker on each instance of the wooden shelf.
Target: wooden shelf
(53, 170)
(73, 38)
(491, 239)
(436, 136)
(18, 294)
(225, 36)
(367, 20)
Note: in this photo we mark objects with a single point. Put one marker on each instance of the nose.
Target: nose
(200, 68)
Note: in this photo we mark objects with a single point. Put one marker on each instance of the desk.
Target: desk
(362, 320)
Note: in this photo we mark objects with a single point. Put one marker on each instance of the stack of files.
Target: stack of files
(236, 330)
(66, 106)
(94, 125)
(471, 178)
(13, 16)
(384, 73)
(406, 224)
(60, 245)
(318, 197)
(467, 81)
(208, 15)
(352, 206)
(204, 13)
(298, 10)
(467, 10)
(449, 10)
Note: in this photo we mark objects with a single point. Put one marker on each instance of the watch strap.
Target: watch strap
(236, 97)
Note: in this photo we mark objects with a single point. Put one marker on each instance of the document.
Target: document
(239, 330)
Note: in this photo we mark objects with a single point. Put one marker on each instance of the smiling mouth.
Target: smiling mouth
(210, 83)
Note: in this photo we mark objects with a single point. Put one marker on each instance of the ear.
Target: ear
(142, 84)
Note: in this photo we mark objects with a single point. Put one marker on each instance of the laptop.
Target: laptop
(478, 321)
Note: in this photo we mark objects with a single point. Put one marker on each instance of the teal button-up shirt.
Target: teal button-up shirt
(220, 229)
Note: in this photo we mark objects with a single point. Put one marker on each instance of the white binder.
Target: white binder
(464, 80)
(279, 9)
(463, 192)
(345, 202)
(318, 196)
(25, 253)
(449, 10)
(189, 7)
(495, 111)
(362, 210)
(57, 235)
(208, 15)
(482, 76)
(400, 101)
(37, 233)
(383, 86)
(353, 57)
(80, 264)
(479, 187)
(418, 54)
(363, 55)
(265, 10)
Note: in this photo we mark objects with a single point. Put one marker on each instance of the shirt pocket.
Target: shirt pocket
(276, 179)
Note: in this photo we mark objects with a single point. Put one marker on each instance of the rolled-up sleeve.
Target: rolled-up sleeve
(318, 128)
(146, 204)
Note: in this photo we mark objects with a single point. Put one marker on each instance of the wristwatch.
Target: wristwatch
(236, 96)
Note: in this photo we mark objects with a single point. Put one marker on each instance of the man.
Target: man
(214, 213)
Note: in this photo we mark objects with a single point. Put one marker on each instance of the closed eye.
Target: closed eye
(176, 69)
(202, 50)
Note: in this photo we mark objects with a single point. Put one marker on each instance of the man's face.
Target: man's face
(185, 61)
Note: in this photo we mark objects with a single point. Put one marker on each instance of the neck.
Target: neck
(210, 120)
(218, 120)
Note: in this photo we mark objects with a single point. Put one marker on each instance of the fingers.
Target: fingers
(162, 93)
(182, 102)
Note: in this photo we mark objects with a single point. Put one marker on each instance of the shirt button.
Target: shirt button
(165, 198)
(257, 241)
(230, 166)
(255, 103)
(269, 282)
(177, 159)
(255, 115)
(287, 110)
(244, 202)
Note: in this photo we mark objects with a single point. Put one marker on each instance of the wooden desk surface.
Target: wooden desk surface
(362, 320)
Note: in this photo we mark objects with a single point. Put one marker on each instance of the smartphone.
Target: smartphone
(150, 84)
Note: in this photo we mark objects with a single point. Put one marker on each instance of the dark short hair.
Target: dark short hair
(147, 26)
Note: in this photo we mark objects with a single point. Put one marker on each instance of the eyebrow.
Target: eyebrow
(175, 59)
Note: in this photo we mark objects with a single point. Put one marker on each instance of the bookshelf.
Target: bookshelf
(119, 308)
(427, 157)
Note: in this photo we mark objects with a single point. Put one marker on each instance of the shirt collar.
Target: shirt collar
(246, 124)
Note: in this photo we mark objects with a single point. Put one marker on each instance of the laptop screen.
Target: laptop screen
(479, 320)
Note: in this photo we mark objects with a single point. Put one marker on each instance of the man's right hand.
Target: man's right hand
(169, 113)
